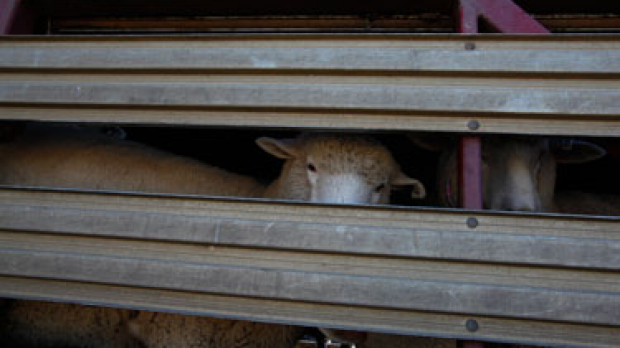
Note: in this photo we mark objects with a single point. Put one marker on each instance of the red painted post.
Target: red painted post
(8, 10)
(470, 172)
(467, 17)
(470, 147)
(506, 17)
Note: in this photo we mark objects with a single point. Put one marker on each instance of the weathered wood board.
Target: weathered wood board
(509, 84)
(548, 279)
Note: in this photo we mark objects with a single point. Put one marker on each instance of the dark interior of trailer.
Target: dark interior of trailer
(235, 150)
(194, 16)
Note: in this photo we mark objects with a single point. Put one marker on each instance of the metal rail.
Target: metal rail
(430, 83)
(374, 268)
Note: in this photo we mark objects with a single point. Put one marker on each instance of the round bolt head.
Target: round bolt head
(470, 46)
(471, 325)
(472, 222)
(473, 125)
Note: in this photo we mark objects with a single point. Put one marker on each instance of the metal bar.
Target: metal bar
(410, 55)
(467, 17)
(425, 83)
(470, 147)
(505, 16)
(412, 234)
(8, 10)
(313, 314)
(266, 253)
(470, 172)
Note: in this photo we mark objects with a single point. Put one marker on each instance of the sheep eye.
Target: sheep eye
(311, 168)
(379, 188)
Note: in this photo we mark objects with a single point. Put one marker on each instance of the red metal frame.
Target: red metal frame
(503, 15)
(15, 18)
(8, 11)
(506, 17)
(470, 172)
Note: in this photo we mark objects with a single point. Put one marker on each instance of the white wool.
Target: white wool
(519, 174)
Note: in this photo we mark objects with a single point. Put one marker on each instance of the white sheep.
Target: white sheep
(336, 169)
(519, 174)
(318, 168)
(71, 158)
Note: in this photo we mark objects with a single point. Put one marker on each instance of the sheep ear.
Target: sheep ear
(417, 188)
(281, 148)
(576, 151)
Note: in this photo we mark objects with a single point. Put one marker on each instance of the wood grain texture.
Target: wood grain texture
(367, 261)
(509, 84)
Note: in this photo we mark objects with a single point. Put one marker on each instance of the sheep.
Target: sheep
(42, 324)
(336, 169)
(87, 159)
(318, 168)
(519, 174)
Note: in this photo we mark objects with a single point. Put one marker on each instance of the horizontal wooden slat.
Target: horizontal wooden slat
(372, 259)
(402, 322)
(312, 314)
(553, 241)
(510, 84)
(407, 53)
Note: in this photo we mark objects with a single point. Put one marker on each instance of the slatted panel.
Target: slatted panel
(373, 261)
(524, 278)
(515, 84)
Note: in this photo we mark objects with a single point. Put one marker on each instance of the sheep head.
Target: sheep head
(336, 169)
(518, 171)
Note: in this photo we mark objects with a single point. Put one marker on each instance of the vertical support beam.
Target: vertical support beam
(8, 11)
(470, 172)
(506, 17)
(470, 147)
(467, 17)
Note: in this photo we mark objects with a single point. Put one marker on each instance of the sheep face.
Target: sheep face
(336, 169)
(518, 172)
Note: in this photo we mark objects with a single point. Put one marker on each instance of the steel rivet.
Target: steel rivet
(472, 222)
(473, 125)
(471, 325)
(470, 46)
